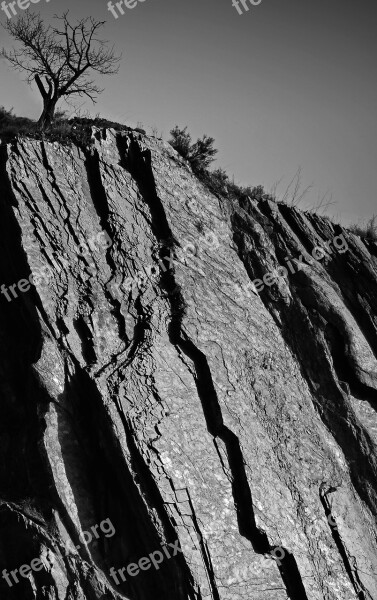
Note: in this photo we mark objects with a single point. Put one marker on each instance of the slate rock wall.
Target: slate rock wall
(146, 382)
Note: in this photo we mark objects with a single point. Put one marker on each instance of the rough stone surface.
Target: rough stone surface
(189, 407)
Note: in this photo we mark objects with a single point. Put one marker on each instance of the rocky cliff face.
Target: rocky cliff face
(158, 399)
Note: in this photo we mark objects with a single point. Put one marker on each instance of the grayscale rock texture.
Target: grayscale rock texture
(241, 424)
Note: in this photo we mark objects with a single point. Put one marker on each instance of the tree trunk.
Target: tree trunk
(49, 106)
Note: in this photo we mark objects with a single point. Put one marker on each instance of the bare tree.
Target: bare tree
(60, 60)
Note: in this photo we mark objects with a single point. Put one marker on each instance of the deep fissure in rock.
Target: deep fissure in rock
(300, 324)
(138, 163)
(352, 573)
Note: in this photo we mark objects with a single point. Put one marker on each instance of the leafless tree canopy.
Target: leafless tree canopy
(62, 59)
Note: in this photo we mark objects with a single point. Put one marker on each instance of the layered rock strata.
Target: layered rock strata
(149, 384)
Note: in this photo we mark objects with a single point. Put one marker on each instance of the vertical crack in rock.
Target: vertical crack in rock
(303, 324)
(351, 571)
(55, 186)
(25, 478)
(357, 282)
(98, 195)
(344, 367)
(138, 163)
(119, 488)
(87, 342)
(78, 444)
(204, 552)
(92, 455)
(175, 575)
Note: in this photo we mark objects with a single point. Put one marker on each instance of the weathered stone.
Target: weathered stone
(144, 380)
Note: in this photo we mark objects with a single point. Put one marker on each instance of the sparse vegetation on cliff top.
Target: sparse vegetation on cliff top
(200, 155)
(62, 129)
(367, 231)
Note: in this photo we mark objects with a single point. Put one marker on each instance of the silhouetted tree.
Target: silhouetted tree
(60, 59)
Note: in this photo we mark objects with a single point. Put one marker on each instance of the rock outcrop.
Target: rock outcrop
(153, 391)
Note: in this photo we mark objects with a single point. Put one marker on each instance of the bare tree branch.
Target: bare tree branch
(62, 56)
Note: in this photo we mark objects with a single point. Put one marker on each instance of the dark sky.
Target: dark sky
(289, 83)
